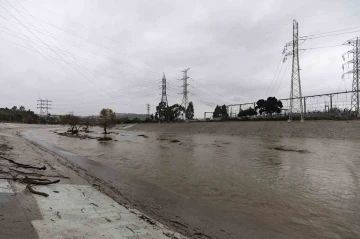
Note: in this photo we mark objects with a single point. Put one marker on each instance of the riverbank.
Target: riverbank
(76, 205)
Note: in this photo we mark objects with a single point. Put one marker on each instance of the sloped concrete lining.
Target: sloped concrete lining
(5, 186)
(13, 222)
(79, 211)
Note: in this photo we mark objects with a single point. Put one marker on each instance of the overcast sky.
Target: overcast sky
(87, 55)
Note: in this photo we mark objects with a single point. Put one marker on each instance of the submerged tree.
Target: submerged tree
(88, 122)
(107, 119)
(73, 121)
(190, 111)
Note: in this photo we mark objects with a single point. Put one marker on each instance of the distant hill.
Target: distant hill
(131, 116)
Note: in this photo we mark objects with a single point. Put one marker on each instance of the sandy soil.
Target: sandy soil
(308, 129)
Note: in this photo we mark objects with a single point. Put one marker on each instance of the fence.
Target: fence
(334, 104)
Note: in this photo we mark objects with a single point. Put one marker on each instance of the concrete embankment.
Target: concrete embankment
(75, 207)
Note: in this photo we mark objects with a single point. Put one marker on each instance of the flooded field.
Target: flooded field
(302, 187)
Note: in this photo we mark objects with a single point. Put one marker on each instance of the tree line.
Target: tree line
(173, 113)
(18, 114)
(269, 106)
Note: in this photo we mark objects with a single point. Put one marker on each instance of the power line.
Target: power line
(315, 37)
(321, 47)
(46, 44)
(282, 78)
(87, 50)
(145, 63)
(346, 29)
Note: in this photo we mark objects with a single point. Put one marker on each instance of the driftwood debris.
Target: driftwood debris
(23, 165)
(32, 190)
(37, 181)
(25, 179)
(37, 174)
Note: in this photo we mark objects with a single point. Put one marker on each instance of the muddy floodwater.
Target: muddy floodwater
(302, 187)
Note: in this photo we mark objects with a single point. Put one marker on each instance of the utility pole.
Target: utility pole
(163, 90)
(148, 110)
(355, 72)
(44, 106)
(185, 90)
(296, 102)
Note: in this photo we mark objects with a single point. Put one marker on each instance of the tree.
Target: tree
(107, 119)
(73, 121)
(269, 106)
(261, 106)
(190, 111)
(22, 108)
(161, 110)
(224, 112)
(173, 112)
(273, 106)
(247, 112)
(88, 122)
(217, 112)
(14, 108)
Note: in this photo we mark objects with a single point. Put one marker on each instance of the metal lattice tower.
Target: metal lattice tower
(355, 72)
(296, 103)
(44, 106)
(148, 110)
(185, 89)
(163, 91)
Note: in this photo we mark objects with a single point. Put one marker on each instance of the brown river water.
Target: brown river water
(302, 187)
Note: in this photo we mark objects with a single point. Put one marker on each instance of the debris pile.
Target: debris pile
(31, 176)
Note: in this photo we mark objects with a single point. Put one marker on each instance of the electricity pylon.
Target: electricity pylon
(163, 90)
(148, 110)
(185, 90)
(355, 72)
(296, 100)
(44, 106)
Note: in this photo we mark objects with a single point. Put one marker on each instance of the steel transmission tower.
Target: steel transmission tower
(185, 90)
(44, 106)
(355, 72)
(148, 110)
(296, 100)
(163, 90)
